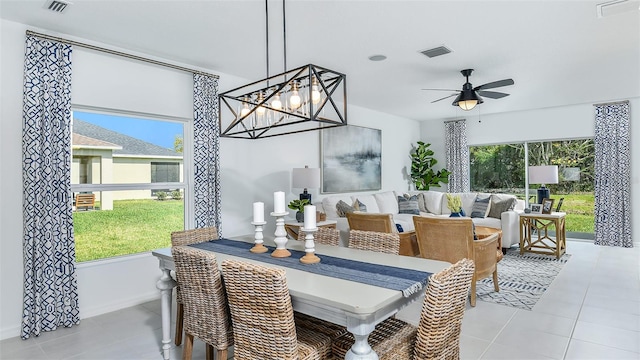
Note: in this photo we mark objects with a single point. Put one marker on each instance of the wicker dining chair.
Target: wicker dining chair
(262, 316)
(206, 315)
(181, 238)
(438, 333)
(324, 235)
(388, 243)
(451, 239)
(384, 223)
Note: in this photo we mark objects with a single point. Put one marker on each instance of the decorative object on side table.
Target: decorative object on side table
(305, 178)
(309, 228)
(547, 174)
(536, 209)
(258, 222)
(454, 203)
(299, 206)
(547, 205)
(281, 235)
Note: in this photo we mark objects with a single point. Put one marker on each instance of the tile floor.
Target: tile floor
(591, 311)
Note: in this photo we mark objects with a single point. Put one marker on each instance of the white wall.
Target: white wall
(566, 122)
(251, 170)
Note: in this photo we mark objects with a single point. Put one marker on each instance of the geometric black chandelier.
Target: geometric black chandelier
(307, 98)
(303, 99)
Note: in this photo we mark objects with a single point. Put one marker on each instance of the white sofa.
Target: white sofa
(430, 203)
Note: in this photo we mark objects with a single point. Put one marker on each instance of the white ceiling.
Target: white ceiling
(557, 52)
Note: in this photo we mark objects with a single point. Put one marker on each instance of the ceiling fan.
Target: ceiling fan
(469, 96)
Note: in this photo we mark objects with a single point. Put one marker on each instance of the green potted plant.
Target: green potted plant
(422, 172)
(454, 203)
(298, 205)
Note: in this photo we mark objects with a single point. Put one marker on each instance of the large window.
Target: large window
(501, 168)
(135, 169)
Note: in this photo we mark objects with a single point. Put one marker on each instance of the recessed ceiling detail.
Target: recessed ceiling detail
(616, 7)
(58, 6)
(437, 51)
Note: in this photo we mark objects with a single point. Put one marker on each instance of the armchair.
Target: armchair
(451, 240)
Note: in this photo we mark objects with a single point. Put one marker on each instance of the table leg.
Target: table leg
(360, 350)
(166, 285)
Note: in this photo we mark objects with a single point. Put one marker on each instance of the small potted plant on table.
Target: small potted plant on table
(298, 205)
(454, 203)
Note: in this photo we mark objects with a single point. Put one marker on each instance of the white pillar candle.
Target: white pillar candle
(278, 202)
(258, 212)
(310, 217)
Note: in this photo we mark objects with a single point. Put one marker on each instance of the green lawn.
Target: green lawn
(579, 208)
(132, 226)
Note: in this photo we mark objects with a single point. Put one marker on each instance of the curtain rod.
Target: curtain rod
(612, 103)
(119, 53)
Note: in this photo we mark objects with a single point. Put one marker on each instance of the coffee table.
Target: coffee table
(292, 226)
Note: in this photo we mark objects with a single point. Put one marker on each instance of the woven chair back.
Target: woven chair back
(445, 239)
(371, 222)
(194, 236)
(388, 243)
(206, 315)
(442, 311)
(324, 235)
(261, 311)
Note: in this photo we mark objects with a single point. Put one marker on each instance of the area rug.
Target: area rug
(522, 279)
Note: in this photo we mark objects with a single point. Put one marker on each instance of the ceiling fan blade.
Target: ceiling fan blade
(446, 97)
(492, 94)
(442, 89)
(495, 84)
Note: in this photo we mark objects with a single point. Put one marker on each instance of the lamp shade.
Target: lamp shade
(546, 174)
(306, 178)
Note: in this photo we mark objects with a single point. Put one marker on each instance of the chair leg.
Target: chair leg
(209, 355)
(495, 281)
(188, 347)
(473, 291)
(179, 323)
(222, 354)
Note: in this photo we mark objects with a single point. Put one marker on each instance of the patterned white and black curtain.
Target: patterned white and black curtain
(457, 155)
(206, 152)
(613, 175)
(50, 282)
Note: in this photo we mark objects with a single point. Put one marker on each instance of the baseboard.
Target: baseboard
(114, 306)
(14, 331)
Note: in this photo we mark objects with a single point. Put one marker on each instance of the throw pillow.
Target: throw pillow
(359, 206)
(408, 204)
(481, 207)
(498, 207)
(343, 208)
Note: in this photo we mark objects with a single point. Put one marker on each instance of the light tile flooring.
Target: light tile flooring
(591, 311)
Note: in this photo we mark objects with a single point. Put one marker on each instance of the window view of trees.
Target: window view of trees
(501, 169)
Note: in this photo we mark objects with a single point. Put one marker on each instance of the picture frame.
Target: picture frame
(536, 208)
(547, 205)
(351, 159)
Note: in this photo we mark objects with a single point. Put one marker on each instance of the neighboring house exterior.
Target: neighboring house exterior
(102, 156)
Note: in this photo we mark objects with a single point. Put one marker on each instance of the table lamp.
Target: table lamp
(305, 178)
(545, 174)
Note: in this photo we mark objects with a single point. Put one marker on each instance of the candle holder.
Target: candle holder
(281, 236)
(258, 248)
(309, 247)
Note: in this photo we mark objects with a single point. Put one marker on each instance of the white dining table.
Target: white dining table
(359, 307)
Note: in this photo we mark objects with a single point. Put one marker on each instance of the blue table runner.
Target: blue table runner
(406, 280)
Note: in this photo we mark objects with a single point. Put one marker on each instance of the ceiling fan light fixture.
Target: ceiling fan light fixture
(467, 100)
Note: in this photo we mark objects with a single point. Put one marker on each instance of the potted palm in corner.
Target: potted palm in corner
(298, 205)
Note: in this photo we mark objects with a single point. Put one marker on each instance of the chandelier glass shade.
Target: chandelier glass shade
(303, 99)
(468, 99)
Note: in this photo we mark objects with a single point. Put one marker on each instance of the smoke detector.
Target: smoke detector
(58, 6)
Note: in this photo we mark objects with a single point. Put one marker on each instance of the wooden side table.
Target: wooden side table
(292, 227)
(535, 234)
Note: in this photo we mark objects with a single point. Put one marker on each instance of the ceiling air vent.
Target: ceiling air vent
(58, 6)
(616, 7)
(437, 51)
